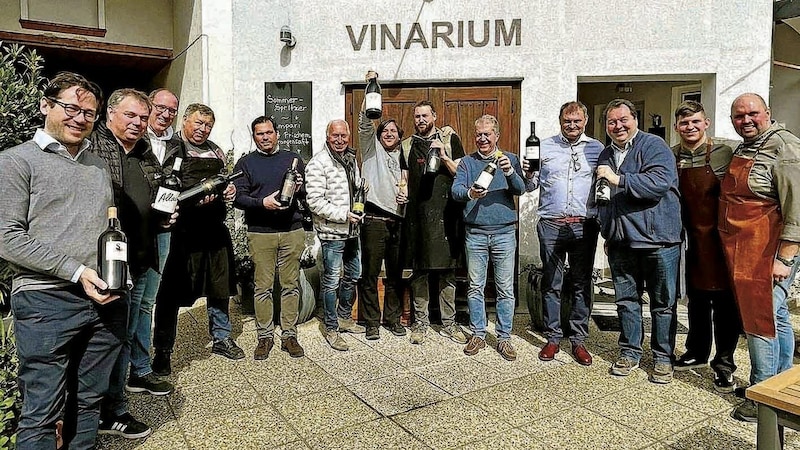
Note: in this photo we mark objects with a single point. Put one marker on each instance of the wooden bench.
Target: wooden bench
(778, 400)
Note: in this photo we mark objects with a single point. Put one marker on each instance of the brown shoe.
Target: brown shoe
(581, 355)
(506, 350)
(263, 348)
(474, 345)
(549, 351)
(291, 346)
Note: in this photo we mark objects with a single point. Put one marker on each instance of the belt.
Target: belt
(569, 219)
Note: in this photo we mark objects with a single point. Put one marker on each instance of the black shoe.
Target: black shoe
(724, 382)
(688, 362)
(373, 333)
(747, 411)
(161, 363)
(125, 426)
(227, 348)
(149, 384)
(396, 329)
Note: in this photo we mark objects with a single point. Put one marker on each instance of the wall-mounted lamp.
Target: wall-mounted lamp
(624, 88)
(286, 36)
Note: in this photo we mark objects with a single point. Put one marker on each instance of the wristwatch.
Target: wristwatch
(786, 262)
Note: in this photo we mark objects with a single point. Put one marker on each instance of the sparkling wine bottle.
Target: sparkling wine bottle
(170, 189)
(532, 146)
(288, 186)
(373, 103)
(112, 255)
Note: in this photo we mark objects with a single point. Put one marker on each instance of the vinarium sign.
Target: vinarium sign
(472, 33)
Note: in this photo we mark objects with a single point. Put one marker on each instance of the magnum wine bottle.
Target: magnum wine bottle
(487, 174)
(170, 189)
(434, 161)
(532, 146)
(602, 191)
(112, 255)
(208, 186)
(288, 187)
(372, 99)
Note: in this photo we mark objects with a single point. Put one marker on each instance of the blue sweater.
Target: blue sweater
(263, 175)
(644, 211)
(496, 212)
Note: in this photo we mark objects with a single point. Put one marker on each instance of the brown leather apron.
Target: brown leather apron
(749, 226)
(700, 190)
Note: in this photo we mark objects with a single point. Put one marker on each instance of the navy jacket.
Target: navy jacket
(644, 211)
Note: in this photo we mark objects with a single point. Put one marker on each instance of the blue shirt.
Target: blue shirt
(566, 177)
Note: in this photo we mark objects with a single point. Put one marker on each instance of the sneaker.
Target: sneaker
(688, 362)
(125, 426)
(506, 350)
(747, 411)
(454, 333)
(227, 348)
(350, 326)
(150, 384)
(662, 373)
(290, 345)
(373, 333)
(418, 332)
(396, 329)
(474, 345)
(336, 341)
(161, 363)
(623, 367)
(263, 348)
(724, 382)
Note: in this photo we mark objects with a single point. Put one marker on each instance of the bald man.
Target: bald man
(760, 230)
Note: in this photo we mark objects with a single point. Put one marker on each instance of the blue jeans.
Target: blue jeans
(556, 241)
(501, 249)
(338, 257)
(163, 240)
(67, 345)
(656, 270)
(771, 356)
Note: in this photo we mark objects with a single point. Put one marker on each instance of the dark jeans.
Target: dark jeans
(380, 241)
(726, 327)
(67, 345)
(556, 241)
(166, 322)
(656, 270)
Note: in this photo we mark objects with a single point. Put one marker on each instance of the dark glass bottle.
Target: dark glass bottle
(372, 100)
(112, 255)
(602, 191)
(167, 194)
(532, 146)
(209, 186)
(434, 161)
(359, 198)
(288, 187)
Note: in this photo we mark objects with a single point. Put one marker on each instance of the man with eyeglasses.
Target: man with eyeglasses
(759, 217)
(642, 228)
(567, 227)
(135, 174)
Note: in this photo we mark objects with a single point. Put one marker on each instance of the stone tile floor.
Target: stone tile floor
(390, 394)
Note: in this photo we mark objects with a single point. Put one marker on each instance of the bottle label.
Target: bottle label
(603, 192)
(373, 100)
(358, 208)
(117, 251)
(166, 200)
(532, 152)
(484, 180)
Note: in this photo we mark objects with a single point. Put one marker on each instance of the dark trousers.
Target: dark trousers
(717, 310)
(556, 242)
(67, 345)
(166, 322)
(380, 241)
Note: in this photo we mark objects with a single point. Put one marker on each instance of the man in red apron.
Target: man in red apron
(759, 223)
(702, 162)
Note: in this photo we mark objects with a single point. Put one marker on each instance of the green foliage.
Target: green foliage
(245, 269)
(10, 397)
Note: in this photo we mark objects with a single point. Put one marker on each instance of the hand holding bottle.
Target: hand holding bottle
(604, 171)
(526, 167)
(93, 284)
(354, 218)
(271, 202)
(505, 164)
(370, 75)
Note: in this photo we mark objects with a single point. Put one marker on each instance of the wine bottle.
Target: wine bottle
(288, 187)
(112, 256)
(487, 174)
(208, 186)
(402, 189)
(532, 147)
(602, 191)
(434, 161)
(374, 107)
(359, 198)
(167, 194)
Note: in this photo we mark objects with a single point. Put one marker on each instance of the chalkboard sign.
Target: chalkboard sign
(290, 105)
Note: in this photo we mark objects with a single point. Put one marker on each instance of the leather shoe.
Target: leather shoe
(581, 355)
(549, 351)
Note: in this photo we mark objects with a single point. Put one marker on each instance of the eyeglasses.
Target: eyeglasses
(73, 111)
(576, 164)
(162, 108)
(623, 121)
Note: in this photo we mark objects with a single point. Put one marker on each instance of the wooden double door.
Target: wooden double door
(457, 105)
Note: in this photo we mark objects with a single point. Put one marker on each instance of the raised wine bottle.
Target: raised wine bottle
(359, 198)
(434, 161)
(209, 186)
(373, 103)
(288, 187)
(112, 255)
(602, 191)
(167, 194)
(487, 174)
(532, 146)
(402, 189)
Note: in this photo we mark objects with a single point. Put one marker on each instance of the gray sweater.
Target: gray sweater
(52, 210)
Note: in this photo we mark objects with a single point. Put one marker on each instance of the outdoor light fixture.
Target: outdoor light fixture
(286, 36)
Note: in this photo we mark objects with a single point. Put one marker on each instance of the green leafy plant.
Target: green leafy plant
(244, 269)
(11, 399)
